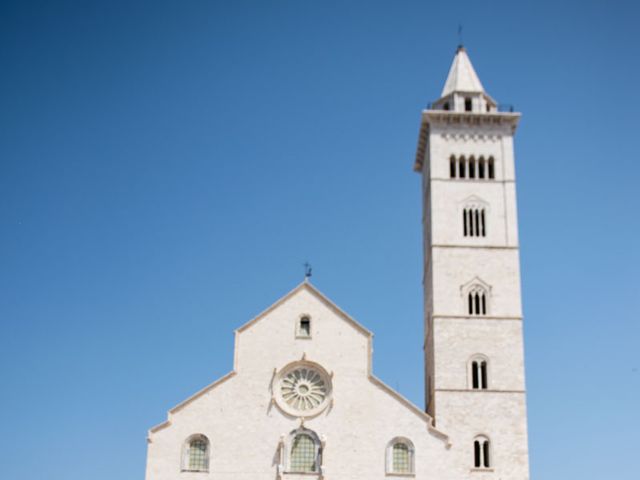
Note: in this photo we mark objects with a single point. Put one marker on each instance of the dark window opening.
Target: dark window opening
(483, 375)
(472, 167)
(481, 453)
(481, 167)
(476, 454)
(305, 327)
(446, 106)
(491, 168)
(477, 302)
(461, 172)
(467, 104)
(452, 167)
(474, 375)
(486, 453)
(464, 222)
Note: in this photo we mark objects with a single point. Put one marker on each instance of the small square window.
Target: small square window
(304, 327)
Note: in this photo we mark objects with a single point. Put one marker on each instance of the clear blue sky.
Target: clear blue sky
(167, 167)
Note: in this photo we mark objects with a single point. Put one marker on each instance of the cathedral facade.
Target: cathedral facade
(302, 401)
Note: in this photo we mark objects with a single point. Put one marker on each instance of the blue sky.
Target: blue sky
(167, 167)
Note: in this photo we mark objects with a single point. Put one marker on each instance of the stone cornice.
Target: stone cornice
(477, 392)
(471, 180)
(448, 118)
(477, 317)
(489, 247)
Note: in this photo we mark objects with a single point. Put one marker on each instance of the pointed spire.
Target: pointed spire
(462, 77)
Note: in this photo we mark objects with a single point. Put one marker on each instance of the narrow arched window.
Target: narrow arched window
(196, 454)
(472, 167)
(491, 168)
(479, 376)
(461, 167)
(452, 167)
(304, 327)
(400, 456)
(446, 105)
(477, 301)
(481, 167)
(305, 452)
(481, 452)
(474, 222)
(465, 222)
(468, 105)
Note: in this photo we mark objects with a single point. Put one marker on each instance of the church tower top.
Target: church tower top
(463, 91)
(462, 77)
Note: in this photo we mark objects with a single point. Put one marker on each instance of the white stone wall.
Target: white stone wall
(245, 428)
(453, 261)
(454, 267)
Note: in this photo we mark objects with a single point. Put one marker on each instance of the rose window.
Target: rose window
(303, 389)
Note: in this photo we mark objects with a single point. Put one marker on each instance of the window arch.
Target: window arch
(481, 168)
(305, 452)
(491, 168)
(478, 372)
(303, 327)
(474, 221)
(195, 455)
(461, 167)
(477, 303)
(472, 167)
(468, 105)
(400, 456)
(481, 452)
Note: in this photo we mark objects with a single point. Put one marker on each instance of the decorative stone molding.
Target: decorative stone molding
(302, 389)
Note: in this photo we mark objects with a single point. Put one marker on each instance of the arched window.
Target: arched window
(474, 221)
(400, 456)
(472, 167)
(195, 457)
(491, 168)
(303, 329)
(305, 452)
(452, 167)
(478, 372)
(477, 301)
(481, 167)
(468, 104)
(461, 169)
(481, 452)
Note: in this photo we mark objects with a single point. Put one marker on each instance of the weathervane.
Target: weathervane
(307, 270)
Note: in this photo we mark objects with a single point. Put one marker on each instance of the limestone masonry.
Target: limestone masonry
(302, 401)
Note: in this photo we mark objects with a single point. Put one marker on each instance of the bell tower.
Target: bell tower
(473, 345)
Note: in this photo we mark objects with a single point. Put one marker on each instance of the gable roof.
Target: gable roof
(307, 286)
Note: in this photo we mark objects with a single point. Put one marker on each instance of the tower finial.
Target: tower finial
(460, 42)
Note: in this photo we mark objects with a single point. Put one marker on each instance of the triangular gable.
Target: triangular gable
(306, 285)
